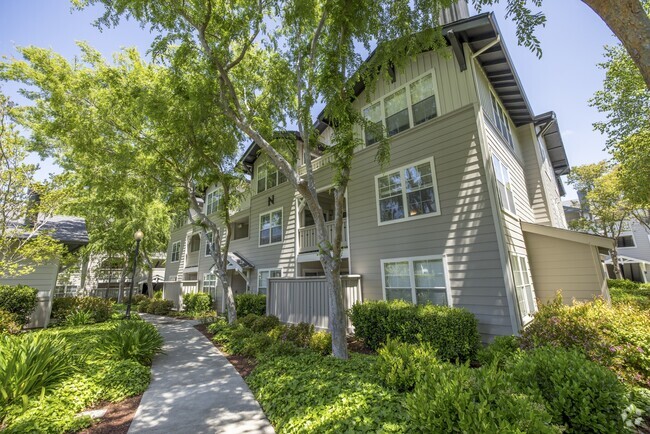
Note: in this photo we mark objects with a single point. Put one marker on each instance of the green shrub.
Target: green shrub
(19, 300)
(143, 305)
(79, 317)
(131, 339)
(265, 324)
(628, 292)
(255, 345)
(158, 295)
(500, 351)
(30, 364)
(218, 325)
(300, 334)
(578, 393)
(235, 339)
(250, 303)
(248, 320)
(617, 337)
(280, 349)
(197, 302)
(400, 365)
(9, 323)
(160, 307)
(100, 308)
(450, 398)
(321, 343)
(137, 298)
(452, 332)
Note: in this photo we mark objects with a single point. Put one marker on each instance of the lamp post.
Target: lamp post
(138, 237)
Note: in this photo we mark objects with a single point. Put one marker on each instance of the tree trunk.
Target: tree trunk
(630, 23)
(226, 289)
(617, 270)
(85, 261)
(110, 275)
(336, 301)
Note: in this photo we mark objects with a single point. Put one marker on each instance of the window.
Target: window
(263, 279)
(271, 227)
(503, 185)
(523, 287)
(209, 283)
(212, 202)
(268, 176)
(209, 239)
(625, 241)
(195, 243)
(178, 221)
(407, 107)
(417, 280)
(501, 121)
(407, 193)
(176, 251)
(240, 230)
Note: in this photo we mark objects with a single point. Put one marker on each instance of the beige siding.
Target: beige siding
(557, 264)
(537, 186)
(464, 231)
(43, 278)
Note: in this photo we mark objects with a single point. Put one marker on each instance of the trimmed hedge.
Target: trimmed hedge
(250, 303)
(452, 332)
(19, 300)
(155, 306)
(100, 308)
(197, 302)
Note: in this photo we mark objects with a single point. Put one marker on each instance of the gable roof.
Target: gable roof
(69, 230)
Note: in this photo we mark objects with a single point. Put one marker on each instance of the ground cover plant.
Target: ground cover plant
(78, 374)
(628, 292)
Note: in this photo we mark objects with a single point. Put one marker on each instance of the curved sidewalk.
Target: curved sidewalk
(194, 389)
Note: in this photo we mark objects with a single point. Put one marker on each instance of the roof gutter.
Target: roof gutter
(487, 47)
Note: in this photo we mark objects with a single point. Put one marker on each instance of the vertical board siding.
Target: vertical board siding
(306, 299)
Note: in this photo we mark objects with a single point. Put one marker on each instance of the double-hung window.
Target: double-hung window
(419, 280)
(501, 120)
(176, 251)
(268, 176)
(406, 107)
(625, 240)
(263, 277)
(271, 227)
(523, 287)
(504, 186)
(407, 193)
(211, 202)
(209, 239)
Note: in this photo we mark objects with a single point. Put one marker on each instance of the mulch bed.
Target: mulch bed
(243, 365)
(118, 417)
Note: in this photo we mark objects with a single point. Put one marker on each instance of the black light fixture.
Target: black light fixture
(138, 237)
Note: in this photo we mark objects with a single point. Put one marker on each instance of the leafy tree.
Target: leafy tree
(604, 209)
(25, 205)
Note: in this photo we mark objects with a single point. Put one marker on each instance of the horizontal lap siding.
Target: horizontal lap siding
(464, 231)
(536, 186)
(171, 268)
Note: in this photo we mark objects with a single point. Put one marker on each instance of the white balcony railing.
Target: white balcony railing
(308, 240)
(316, 164)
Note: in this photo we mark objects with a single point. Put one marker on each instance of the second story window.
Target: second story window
(407, 107)
(268, 176)
(504, 186)
(176, 251)
(501, 121)
(211, 202)
(271, 227)
(195, 243)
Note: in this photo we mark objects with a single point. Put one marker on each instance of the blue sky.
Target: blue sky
(563, 80)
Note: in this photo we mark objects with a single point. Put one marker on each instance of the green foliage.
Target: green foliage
(9, 323)
(500, 351)
(311, 393)
(578, 393)
(137, 298)
(122, 379)
(218, 325)
(400, 365)
(132, 340)
(30, 364)
(300, 334)
(99, 308)
(156, 307)
(250, 303)
(79, 317)
(254, 345)
(248, 320)
(628, 292)
(617, 337)
(143, 305)
(197, 302)
(158, 295)
(321, 343)
(264, 324)
(19, 300)
(452, 332)
(450, 398)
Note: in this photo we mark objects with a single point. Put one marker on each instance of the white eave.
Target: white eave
(603, 243)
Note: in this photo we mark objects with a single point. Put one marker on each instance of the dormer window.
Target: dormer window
(405, 108)
(268, 176)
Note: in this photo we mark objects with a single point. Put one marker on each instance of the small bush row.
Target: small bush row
(197, 302)
(96, 309)
(452, 332)
(250, 303)
(16, 306)
(155, 306)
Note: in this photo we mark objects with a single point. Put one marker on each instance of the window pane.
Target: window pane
(424, 110)
(272, 177)
(399, 294)
(276, 273)
(276, 234)
(421, 202)
(265, 221)
(261, 185)
(397, 270)
(422, 89)
(429, 274)
(390, 185)
(418, 177)
(391, 208)
(397, 116)
(265, 236)
(511, 202)
(433, 296)
(373, 113)
(276, 218)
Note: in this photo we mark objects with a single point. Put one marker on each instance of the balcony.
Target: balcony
(316, 164)
(308, 240)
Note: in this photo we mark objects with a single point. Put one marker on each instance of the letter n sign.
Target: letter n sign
(271, 200)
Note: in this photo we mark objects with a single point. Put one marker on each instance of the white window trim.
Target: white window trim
(501, 200)
(628, 234)
(258, 166)
(406, 217)
(259, 228)
(524, 319)
(212, 194)
(171, 256)
(410, 260)
(259, 274)
(507, 122)
(409, 105)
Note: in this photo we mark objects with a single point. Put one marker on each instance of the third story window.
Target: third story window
(504, 186)
(407, 193)
(501, 120)
(625, 241)
(211, 202)
(268, 176)
(271, 227)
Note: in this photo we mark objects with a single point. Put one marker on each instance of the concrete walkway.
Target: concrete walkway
(194, 388)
